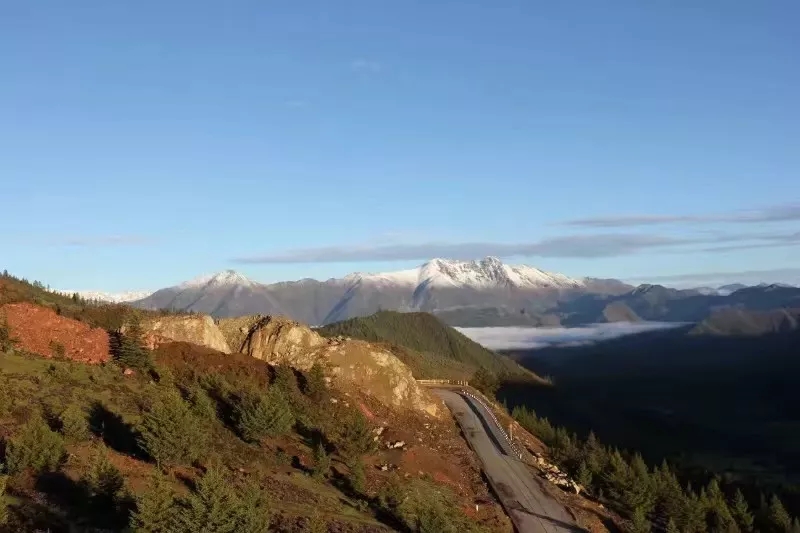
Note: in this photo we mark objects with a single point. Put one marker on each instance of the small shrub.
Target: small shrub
(74, 424)
(259, 415)
(170, 433)
(316, 523)
(35, 446)
(58, 351)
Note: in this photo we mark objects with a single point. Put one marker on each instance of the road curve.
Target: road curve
(529, 508)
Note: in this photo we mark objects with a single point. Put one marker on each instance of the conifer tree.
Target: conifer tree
(322, 462)
(103, 481)
(672, 527)
(639, 522)
(213, 507)
(741, 512)
(259, 415)
(315, 387)
(255, 511)
(169, 433)
(778, 519)
(7, 342)
(156, 510)
(357, 478)
(3, 502)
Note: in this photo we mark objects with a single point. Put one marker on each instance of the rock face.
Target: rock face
(352, 363)
(199, 329)
(41, 331)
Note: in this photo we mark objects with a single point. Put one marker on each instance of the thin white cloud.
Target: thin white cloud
(296, 104)
(366, 66)
(573, 246)
(776, 213)
(103, 240)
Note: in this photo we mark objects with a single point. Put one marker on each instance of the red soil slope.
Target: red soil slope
(38, 330)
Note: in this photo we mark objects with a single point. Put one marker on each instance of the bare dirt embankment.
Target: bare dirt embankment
(42, 331)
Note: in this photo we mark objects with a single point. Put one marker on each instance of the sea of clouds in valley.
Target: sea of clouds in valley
(525, 338)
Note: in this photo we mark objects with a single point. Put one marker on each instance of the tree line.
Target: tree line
(654, 498)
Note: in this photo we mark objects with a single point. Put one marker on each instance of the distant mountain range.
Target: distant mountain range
(485, 292)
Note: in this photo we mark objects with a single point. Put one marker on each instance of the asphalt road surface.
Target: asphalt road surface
(529, 508)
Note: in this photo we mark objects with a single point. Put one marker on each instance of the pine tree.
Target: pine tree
(156, 510)
(35, 446)
(639, 522)
(285, 379)
(778, 519)
(169, 433)
(7, 342)
(356, 437)
(259, 415)
(315, 386)
(103, 481)
(718, 515)
(255, 511)
(672, 527)
(584, 475)
(322, 462)
(741, 512)
(74, 425)
(357, 478)
(213, 507)
(3, 502)
(130, 349)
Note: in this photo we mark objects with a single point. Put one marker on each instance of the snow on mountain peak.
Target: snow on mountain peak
(489, 272)
(111, 297)
(220, 279)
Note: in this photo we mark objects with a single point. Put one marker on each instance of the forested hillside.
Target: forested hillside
(427, 335)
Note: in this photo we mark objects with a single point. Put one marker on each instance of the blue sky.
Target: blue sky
(144, 143)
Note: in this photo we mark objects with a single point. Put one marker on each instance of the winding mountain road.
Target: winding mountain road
(529, 508)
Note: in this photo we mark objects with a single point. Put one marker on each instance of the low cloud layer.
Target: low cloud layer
(778, 213)
(521, 338)
(748, 277)
(573, 246)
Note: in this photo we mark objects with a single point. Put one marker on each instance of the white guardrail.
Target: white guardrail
(488, 409)
(496, 421)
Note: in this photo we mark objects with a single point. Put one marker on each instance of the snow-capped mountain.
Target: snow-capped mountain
(434, 285)
(111, 297)
(489, 272)
(225, 278)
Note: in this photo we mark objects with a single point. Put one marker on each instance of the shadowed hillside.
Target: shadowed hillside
(724, 404)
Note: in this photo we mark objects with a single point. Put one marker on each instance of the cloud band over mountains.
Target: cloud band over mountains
(777, 213)
(575, 246)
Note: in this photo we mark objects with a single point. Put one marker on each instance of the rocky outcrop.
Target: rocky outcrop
(42, 331)
(196, 329)
(279, 340)
(351, 363)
